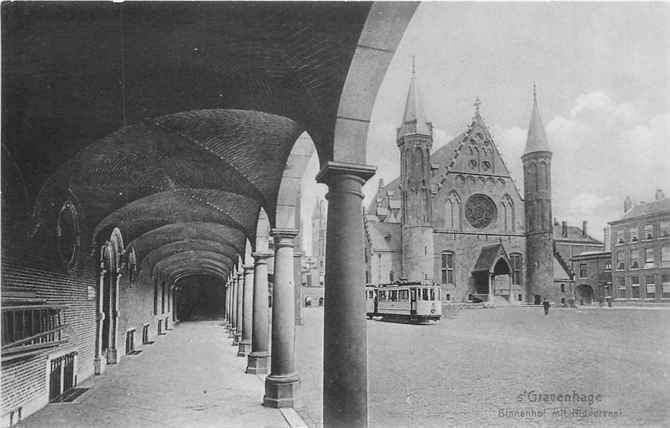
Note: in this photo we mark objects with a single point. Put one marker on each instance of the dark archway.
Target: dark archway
(492, 274)
(202, 297)
(584, 294)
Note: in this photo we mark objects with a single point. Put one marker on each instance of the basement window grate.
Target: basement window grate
(145, 335)
(70, 395)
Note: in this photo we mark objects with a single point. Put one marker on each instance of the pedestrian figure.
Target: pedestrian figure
(546, 305)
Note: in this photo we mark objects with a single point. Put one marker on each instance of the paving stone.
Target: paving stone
(191, 377)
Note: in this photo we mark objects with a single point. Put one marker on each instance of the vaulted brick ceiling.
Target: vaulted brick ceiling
(170, 121)
(75, 73)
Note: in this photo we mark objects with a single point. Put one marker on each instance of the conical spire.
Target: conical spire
(414, 120)
(537, 139)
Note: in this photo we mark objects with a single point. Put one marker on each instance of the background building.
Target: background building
(318, 258)
(593, 277)
(640, 243)
(456, 217)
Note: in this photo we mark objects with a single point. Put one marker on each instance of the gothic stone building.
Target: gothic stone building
(456, 217)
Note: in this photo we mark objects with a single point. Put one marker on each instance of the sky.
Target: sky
(603, 83)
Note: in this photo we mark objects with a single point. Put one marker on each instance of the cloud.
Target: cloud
(603, 150)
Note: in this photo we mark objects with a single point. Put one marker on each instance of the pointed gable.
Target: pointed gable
(472, 152)
(488, 256)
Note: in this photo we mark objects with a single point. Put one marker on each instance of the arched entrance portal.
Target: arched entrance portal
(584, 294)
(492, 275)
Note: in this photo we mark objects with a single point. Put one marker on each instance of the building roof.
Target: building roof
(648, 208)
(592, 254)
(561, 271)
(537, 139)
(574, 234)
(414, 120)
(384, 236)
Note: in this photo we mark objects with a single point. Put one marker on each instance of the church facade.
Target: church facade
(456, 217)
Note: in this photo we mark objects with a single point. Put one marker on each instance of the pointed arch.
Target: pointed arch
(531, 184)
(542, 176)
(453, 209)
(508, 213)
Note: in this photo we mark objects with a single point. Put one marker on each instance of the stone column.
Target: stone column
(112, 351)
(225, 305)
(282, 383)
(257, 362)
(490, 288)
(247, 311)
(233, 306)
(99, 361)
(239, 284)
(229, 291)
(345, 336)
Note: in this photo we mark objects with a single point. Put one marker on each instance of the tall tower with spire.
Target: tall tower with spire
(537, 204)
(415, 140)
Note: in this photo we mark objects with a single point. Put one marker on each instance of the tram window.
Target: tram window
(432, 294)
(425, 294)
(394, 295)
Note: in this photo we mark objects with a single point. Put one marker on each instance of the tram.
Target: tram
(407, 302)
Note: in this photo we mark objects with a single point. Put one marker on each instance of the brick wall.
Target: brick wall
(26, 380)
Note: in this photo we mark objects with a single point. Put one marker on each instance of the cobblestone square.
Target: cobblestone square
(487, 368)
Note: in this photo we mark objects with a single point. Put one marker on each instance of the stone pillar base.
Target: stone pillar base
(280, 390)
(99, 365)
(236, 339)
(112, 356)
(257, 363)
(245, 348)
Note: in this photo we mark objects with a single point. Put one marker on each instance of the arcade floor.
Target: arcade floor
(189, 378)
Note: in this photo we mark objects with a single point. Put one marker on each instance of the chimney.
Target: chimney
(564, 229)
(606, 238)
(584, 228)
(659, 194)
(627, 204)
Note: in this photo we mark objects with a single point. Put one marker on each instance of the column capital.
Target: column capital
(333, 168)
(261, 257)
(284, 237)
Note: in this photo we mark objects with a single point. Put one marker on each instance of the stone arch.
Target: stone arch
(584, 294)
(287, 214)
(262, 230)
(118, 249)
(107, 303)
(379, 39)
